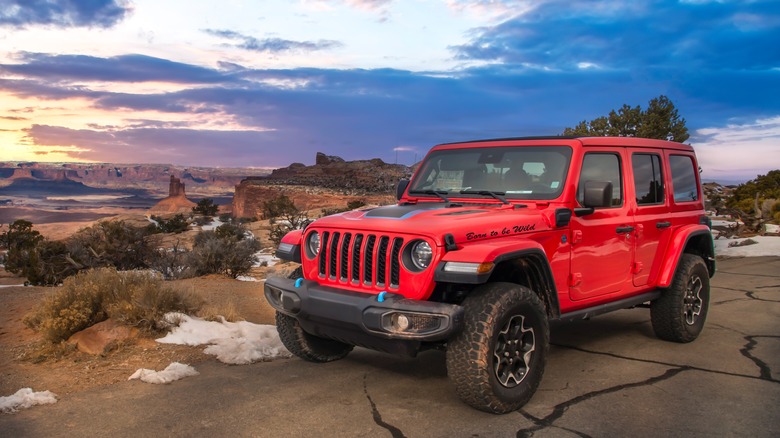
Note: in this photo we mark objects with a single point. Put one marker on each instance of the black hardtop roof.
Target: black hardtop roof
(588, 141)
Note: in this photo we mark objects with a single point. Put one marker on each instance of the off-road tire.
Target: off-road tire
(306, 346)
(471, 355)
(678, 315)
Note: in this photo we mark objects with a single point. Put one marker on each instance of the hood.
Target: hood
(465, 222)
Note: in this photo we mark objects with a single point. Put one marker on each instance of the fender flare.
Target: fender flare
(490, 252)
(290, 246)
(678, 244)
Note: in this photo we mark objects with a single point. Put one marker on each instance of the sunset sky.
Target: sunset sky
(237, 83)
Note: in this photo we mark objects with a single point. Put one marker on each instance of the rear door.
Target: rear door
(651, 213)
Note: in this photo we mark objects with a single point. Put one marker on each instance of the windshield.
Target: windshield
(516, 172)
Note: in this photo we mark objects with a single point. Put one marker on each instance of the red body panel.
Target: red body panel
(593, 259)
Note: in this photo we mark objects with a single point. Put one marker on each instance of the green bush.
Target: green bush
(135, 298)
(111, 243)
(226, 255)
(41, 261)
(177, 224)
(206, 207)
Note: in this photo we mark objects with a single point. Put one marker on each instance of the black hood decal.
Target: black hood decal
(403, 211)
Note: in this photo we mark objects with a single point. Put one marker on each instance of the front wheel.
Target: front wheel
(678, 315)
(497, 361)
(307, 346)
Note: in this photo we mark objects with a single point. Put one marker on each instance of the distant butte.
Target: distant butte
(176, 202)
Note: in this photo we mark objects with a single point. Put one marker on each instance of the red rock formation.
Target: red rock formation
(329, 183)
(176, 202)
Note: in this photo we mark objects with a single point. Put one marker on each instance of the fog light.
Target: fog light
(412, 323)
(400, 322)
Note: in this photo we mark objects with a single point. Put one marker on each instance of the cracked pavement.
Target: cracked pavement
(608, 376)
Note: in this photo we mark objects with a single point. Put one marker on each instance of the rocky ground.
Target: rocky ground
(26, 362)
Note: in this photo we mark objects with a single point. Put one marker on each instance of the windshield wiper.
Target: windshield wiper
(439, 193)
(496, 195)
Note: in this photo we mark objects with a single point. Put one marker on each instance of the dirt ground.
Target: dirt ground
(24, 363)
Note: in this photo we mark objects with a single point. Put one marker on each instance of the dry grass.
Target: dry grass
(136, 298)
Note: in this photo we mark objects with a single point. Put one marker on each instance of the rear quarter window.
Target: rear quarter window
(683, 178)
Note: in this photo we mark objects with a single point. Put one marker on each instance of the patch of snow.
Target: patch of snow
(772, 228)
(234, 343)
(149, 218)
(766, 246)
(11, 285)
(213, 225)
(246, 278)
(26, 398)
(172, 372)
(265, 257)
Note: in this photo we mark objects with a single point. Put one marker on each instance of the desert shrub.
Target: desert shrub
(42, 261)
(231, 231)
(202, 220)
(212, 254)
(20, 240)
(332, 211)
(226, 218)
(280, 206)
(351, 205)
(217, 312)
(136, 298)
(354, 205)
(111, 243)
(176, 224)
(172, 263)
(206, 207)
(48, 264)
(284, 217)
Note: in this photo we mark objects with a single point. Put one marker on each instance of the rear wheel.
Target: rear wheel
(678, 315)
(497, 361)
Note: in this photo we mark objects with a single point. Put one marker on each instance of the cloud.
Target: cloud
(14, 118)
(560, 35)
(273, 45)
(62, 13)
(738, 151)
(124, 68)
(156, 145)
(353, 113)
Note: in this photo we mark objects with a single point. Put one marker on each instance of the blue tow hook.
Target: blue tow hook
(381, 296)
(298, 283)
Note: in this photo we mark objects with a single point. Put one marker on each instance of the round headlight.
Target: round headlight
(421, 255)
(313, 244)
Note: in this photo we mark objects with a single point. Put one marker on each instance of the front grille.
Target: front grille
(361, 259)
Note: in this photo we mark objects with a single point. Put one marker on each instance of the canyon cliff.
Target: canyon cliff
(330, 182)
(151, 177)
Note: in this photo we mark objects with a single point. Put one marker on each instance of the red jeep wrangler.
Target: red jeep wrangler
(492, 239)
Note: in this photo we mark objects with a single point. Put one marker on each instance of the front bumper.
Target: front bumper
(391, 323)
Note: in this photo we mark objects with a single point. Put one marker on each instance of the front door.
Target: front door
(602, 242)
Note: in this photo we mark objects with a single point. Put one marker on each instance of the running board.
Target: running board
(609, 307)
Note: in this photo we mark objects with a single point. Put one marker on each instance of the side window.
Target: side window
(648, 180)
(683, 178)
(601, 167)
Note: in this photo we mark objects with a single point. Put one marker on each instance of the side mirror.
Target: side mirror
(401, 188)
(597, 194)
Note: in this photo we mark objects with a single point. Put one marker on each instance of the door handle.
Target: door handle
(625, 229)
(664, 224)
